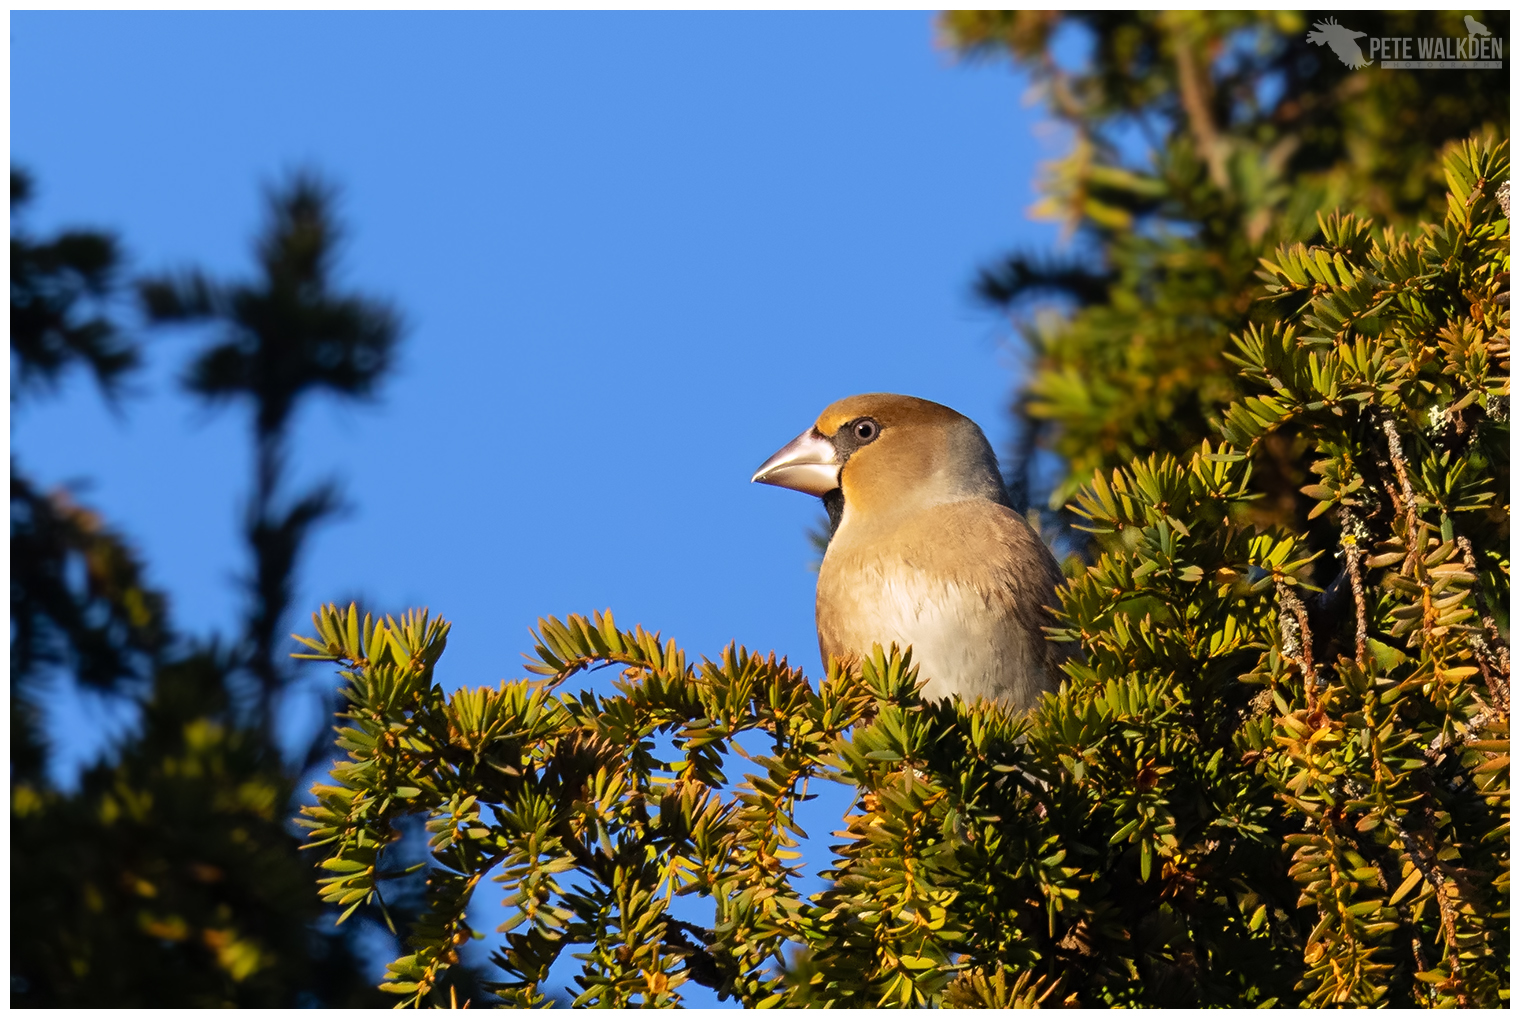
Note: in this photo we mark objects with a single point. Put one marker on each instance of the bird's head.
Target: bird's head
(882, 453)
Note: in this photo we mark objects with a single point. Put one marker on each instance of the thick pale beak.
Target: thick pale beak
(808, 464)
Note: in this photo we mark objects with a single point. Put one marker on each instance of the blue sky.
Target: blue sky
(637, 254)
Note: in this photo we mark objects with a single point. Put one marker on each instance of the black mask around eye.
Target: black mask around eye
(851, 436)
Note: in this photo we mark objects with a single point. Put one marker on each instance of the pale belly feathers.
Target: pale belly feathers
(963, 587)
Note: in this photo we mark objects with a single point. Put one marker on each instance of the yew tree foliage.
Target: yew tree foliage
(1201, 141)
(1248, 791)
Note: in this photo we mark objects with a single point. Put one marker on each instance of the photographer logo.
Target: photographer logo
(1481, 50)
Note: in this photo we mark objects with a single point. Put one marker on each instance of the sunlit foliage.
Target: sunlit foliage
(1199, 141)
(1248, 792)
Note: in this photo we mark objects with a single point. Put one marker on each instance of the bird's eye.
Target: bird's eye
(866, 430)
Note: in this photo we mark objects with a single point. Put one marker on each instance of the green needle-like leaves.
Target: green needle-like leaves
(1251, 790)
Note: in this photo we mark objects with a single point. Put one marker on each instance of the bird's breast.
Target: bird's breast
(951, 596)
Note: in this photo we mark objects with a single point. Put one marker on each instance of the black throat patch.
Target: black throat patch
(833, 503)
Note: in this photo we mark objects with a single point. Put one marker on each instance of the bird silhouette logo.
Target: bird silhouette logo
(1475, 28)
(1342, 42)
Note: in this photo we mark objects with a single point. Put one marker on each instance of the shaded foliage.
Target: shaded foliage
(170, 877)
(60, 289)
(77, 597)
(78, 604)
(288, 331)
(279, 337)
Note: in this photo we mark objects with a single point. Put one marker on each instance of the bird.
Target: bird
(925, 549)
(1475, 27)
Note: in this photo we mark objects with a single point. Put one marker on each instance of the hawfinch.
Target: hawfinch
(926, 550)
